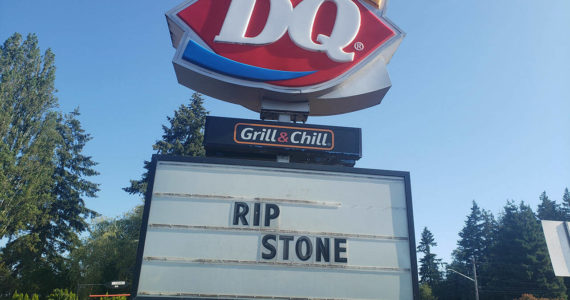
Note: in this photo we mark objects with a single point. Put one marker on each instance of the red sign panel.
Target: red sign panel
(287, 43)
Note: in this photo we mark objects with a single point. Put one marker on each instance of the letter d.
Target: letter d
(238, 17)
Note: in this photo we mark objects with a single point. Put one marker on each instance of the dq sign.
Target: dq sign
(330, 53)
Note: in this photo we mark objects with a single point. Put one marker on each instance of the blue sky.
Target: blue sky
(479, 108)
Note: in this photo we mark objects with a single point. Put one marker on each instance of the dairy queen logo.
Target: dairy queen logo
(286, 50)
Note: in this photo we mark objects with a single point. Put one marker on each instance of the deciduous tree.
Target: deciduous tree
(109, 253)
(44, 175)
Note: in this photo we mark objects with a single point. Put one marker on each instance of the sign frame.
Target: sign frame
(405, 176)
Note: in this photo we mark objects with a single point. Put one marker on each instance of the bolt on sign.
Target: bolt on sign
(237, 229)
(332, 54)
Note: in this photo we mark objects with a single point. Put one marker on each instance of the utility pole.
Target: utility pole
(475, 279)
(472, 279)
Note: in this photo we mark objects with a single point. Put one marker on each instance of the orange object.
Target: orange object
(376, 2)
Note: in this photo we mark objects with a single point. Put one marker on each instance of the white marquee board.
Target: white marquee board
(360, 221)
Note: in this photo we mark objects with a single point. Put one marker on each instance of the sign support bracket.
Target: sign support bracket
(284, 111)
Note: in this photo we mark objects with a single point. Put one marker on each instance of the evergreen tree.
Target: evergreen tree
(519, 261)
(455, 286)
(476, 239)
(184, 136)
(549, 209)
(43, 173)
(566, 205)
(429, 264)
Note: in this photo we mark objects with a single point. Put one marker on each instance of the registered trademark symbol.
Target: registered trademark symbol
(359, 46)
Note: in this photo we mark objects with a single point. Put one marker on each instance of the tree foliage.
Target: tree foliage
(426, 292)
(43, 171)
(109, 253)
(27, 129)
(549, 209)
(476, 237)
(429, 272)
(510, 254)
(566, 205)
(519, 260)
(61, 294)
(184, 137)
(22, 296)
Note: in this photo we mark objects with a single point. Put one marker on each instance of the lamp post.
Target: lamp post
(474, 279)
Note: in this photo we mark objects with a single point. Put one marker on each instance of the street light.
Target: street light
(472, 279)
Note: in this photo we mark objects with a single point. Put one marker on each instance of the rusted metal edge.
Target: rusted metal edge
(276, 231)
(229, 296)
(250, 199)
(205, 261)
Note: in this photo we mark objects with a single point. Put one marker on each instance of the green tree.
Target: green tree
(27, 131)
(109, 253)
(519, 261)
(476, 238)
(184, 136)
(61, 294)
(426, 292)
(7, 282)
(43, 174)
(566, 205)
(549, 209)
(429, 265)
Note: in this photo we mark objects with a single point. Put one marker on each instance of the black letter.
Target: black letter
(256, 214)
(268, 246)
(323, 249)
(240, 211)
(299, 246)
(338, 249)
(271, 212)
(286, 239)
